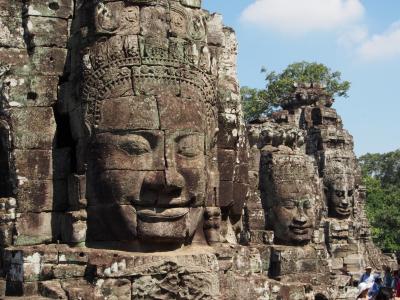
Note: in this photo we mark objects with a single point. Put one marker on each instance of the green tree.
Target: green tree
(385, 166)
(280, 86)
(381, 177)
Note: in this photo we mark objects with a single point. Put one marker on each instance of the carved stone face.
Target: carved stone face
(147, 179)
(150, 108)
(293, 215)
(340, 197)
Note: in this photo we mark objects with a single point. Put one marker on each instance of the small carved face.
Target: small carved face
(107, 18)
(340, 197)
(293, 218)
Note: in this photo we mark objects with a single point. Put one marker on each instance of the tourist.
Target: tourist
(363, 289)
(367, 276)
(376, 287)
(395, 280)
(397, 284)
(388, 278)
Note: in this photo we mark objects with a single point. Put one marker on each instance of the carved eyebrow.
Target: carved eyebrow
(125, 137)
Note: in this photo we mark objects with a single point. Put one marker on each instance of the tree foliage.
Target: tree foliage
(381, 176)
(280, 86)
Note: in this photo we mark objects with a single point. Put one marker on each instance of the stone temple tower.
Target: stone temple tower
(127, 171)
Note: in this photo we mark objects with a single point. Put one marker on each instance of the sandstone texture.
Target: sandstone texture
(127, 171)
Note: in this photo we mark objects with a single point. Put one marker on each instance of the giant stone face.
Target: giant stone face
(339, 190)
(149, 107)
(289, 191)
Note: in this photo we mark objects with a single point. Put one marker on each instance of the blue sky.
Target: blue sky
(359, 38)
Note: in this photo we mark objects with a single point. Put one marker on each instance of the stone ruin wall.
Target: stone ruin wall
(56, 58)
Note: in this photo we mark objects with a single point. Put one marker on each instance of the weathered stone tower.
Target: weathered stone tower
(124, 163)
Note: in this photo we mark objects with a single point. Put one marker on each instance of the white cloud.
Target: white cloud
(353, 36)
(302, 16)
(383, 46)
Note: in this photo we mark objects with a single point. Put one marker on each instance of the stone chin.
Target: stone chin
(296, 236)
(341, 212)
(168, 225)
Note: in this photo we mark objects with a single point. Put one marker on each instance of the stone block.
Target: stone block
(256, 219)
(112, 264)
(77, 191)
(62, 163)
(34, 228)
(102, 224)
(33, 128)
(33, 164)
(225, 193)
(153, 21)
(178, 113)
(10, 8)
(66, 271)
(197, 285)
(51, 8)
(12, 32)
(18, 59)
(237, 286)
(48, 61)
(343, 250)
(149, 144)
(226, 163)
(25, 90)
(337, 263)
(52, 289)
(7, 209)
(192, 3)
(78, 289)
(148, 117)
(35, 195)
(2, 288)
(239, 197)
(47, 32)
(72, 255)
(43, 61)
(288, 260)
(6, 234)
(241, 173)
(215, 35)
(74, 227)
(113, 289)
(228, 133)
(254, 160)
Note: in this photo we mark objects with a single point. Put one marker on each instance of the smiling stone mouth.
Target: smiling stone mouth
(343, 209)
(299, 230)
(161, 214)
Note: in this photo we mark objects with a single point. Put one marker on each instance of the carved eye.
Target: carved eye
(307, 204)
(340, 193)
(289, 204)
(137, 146)
(350, 193)
(190, 146)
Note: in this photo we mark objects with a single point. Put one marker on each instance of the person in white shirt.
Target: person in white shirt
(367, 277)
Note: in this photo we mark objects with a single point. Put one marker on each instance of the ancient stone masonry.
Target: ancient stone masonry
(307, 199)
(127, 172)
(121, 130)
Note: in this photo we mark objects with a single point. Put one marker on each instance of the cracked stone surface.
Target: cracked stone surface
(127, 171)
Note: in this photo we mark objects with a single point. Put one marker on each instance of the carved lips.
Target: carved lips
(158, 214)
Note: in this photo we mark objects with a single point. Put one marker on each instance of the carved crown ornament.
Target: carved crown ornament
(134, 45)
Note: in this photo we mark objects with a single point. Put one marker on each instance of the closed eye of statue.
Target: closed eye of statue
(289, 204)
(137, 146)
(189, 146)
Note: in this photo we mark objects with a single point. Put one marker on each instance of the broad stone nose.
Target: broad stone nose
(300, 218)
(174, 181)
(345, 202)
